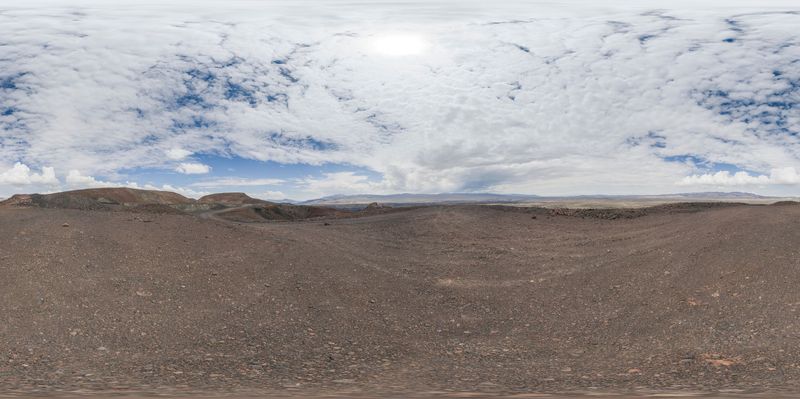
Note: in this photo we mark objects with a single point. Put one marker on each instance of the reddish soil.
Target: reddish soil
(465, 298)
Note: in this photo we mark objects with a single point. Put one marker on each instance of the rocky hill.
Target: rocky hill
(230, 199)
(236, 207)
(99, 199)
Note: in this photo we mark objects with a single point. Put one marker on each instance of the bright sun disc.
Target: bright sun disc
(399, 45)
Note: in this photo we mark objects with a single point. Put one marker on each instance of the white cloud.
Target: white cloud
(21, 179)
(22, 175)
(187, 192)
(270, 195)
(338, 183)
(786, 175)
(192, 168)
(75, 179)
(517, 97)
(237, 181)
(177, 153)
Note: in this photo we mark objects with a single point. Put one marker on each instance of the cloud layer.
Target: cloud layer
(724, 178)
(192, 168)
(518, 98)
(21, 175)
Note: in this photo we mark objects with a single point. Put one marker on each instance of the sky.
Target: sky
(304, 99)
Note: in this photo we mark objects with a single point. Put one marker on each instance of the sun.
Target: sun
(396, 45)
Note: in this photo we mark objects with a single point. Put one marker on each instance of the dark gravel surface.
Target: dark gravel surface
(459, 299)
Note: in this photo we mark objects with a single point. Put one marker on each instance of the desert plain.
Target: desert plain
(136, 293)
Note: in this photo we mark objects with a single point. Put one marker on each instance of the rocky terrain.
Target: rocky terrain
(692, 297)
(237, 207)
(98, 199)
(231, 199)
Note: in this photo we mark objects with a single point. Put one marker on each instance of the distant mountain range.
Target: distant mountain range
(420, 198)
(482, 198)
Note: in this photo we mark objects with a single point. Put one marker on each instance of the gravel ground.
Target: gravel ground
(453, 298)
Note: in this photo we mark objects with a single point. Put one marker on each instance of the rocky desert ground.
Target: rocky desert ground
(106, 292)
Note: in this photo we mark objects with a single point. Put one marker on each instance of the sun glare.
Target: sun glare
(399, 44)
